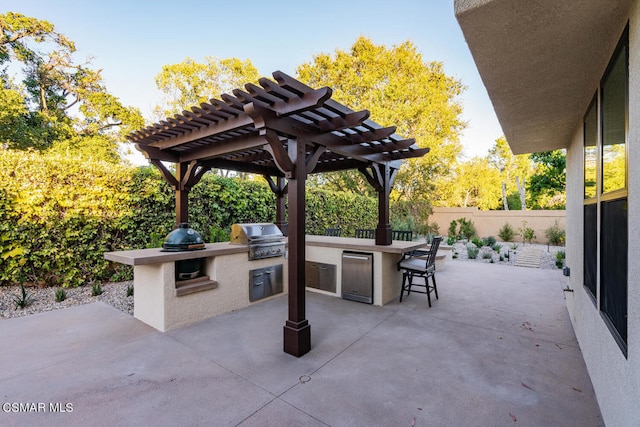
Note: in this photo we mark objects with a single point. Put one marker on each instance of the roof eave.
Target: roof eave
(541, 62)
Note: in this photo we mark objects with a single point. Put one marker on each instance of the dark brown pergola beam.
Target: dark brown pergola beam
(152, 153)
(243, 167)
(224, 147)
(240, 121)
(339, 123)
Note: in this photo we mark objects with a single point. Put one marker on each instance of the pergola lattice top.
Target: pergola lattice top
(248, 132)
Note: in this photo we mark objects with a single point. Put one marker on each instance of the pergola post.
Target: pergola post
(279, 188)
(383, 229)
(381, 177)
(297, 331)
(187, 175)
(182, 195)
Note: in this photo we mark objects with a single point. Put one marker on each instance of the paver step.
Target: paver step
(529, 258)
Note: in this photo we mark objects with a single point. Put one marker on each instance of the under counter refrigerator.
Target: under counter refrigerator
(357, 276)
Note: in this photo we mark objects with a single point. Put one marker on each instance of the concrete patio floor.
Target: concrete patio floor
(496, 349)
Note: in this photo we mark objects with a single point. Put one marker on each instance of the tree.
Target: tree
(13, 112)
(471, 183)
(513, 171)
(190, 83)
(547, 185)
(399, 89)
(16, 30)
(56, 88)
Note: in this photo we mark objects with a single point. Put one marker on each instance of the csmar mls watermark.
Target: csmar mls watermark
(26, 407)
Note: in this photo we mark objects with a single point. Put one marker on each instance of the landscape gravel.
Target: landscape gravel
(44, 299)
(510, 252)
(115, 294)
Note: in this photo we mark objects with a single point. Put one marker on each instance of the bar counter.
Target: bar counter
(386, 277)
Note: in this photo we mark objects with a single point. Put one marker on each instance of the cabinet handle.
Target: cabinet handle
(355, 257)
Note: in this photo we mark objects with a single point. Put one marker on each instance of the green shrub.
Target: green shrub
(472, 251)
(527, 233)
(407, 215)
(478, 242)
(462, 228)
(451, 240)
(555, 235)
(561, 255)
(96, 289)
(155, 240)
(506, 232)
(467, 228)
(453, 229)
(496, 247)
(489, 241)
(61, 295)
(487, 255)
(349, 211)
(24, 299)
(404, 223)
(130, 290)
(432, 228)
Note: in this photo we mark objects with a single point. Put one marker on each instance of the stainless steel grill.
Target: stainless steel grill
(265, 240)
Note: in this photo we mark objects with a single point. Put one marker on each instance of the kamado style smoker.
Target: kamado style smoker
(181, 239)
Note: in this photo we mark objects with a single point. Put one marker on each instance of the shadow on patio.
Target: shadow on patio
(497, 348)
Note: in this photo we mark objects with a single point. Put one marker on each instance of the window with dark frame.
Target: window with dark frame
(614, 122)
(605, 194)
(591, 151)
(590, 244)
(591, 248)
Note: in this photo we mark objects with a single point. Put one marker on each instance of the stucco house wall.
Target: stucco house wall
(616, 378)
(542, 108)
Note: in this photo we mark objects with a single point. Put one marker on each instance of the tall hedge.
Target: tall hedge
(327, 209)
(58, 214)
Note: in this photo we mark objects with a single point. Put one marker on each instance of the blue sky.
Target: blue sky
(131, 40)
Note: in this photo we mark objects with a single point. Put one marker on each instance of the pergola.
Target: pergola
(283, 130)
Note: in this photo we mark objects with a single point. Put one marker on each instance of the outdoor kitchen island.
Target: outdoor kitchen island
(386, 277)
(162, 301)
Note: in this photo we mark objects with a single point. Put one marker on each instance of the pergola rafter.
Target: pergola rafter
(283, 130)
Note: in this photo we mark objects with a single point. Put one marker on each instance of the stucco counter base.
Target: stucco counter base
(386, 277)
(156, 300)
